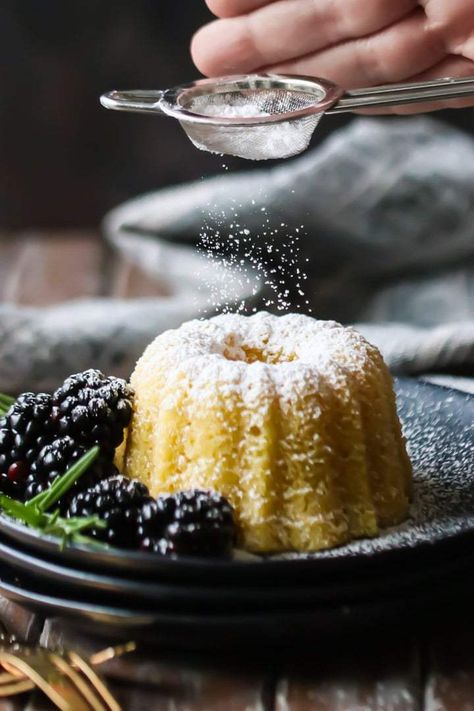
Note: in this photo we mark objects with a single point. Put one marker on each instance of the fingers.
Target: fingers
(286, 29)
(232, 8)
(354, 44)
(456, 20)
(225, 47)
(388, 56)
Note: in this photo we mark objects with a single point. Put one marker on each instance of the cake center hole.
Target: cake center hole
(233, 350)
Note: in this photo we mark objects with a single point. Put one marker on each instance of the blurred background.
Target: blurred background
(64, 161)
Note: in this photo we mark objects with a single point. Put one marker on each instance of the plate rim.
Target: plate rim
(337, 592)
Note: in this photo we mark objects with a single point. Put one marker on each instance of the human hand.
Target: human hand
(355, 43)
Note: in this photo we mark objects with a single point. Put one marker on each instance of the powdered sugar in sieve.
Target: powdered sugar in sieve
(259, 141)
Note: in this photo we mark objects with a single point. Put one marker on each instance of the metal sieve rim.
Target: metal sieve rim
(171, 100)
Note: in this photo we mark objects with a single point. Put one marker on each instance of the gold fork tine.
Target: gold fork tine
(8, 677)
(18, 687)
(84, 686)
(13, 684)
(41, 670)
(94, 679)
(62, 678)
(105, 655)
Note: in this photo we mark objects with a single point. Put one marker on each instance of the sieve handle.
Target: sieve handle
(400, 94)
(138, 101)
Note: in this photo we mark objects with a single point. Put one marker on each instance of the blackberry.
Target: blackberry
(42, 435)
(197, 523)
(93, 409)
(24, 430)
(117, 501)
(10, 487)
(54, 459)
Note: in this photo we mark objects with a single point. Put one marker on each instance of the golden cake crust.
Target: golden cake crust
(291, 418)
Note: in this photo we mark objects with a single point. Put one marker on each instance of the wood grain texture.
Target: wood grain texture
(40, 269)
(26, 626)
(158, 680)
(43, 269)
(10, 251)
(129, 281)
(450, 669)
(205, 693)
(354, 677)
(17, 620)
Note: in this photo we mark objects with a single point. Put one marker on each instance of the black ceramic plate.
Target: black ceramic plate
(274, 629)
(438, 424)
(92, 587)
(178, 630)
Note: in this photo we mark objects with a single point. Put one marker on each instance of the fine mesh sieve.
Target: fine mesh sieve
(256, 117)
(276, 136)
(262, 116)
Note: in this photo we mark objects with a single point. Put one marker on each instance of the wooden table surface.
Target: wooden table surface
(428, 668)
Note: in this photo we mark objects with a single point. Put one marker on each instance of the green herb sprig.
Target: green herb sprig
(34, 512)
(5, 403)
(67, 529)
(63, 483)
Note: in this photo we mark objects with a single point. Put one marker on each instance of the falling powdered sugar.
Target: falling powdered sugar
(268, 264)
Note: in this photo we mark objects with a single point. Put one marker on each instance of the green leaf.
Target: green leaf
(5, 403)
(63, 483)
(70, 529)
(87, 541)
(52, 518)
(20, 511)
(67, 529)
(7, 398)
(70, 526)
(81, 523)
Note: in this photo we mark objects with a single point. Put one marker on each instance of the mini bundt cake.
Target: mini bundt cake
(292, 419)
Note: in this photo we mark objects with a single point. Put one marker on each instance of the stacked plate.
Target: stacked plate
(208, 603)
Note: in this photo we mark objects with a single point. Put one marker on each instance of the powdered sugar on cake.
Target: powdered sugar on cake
(294, 345)
(443, 475)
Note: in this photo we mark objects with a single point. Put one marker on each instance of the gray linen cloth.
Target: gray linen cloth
(388, 212)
